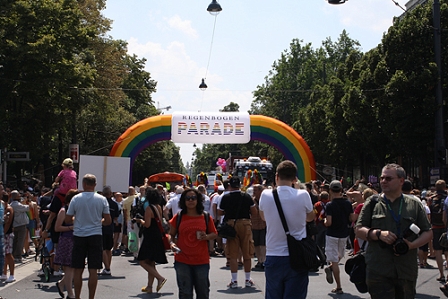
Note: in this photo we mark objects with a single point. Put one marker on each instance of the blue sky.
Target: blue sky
(176, 39)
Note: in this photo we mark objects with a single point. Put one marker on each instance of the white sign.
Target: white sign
(210, 127)
(111, 171)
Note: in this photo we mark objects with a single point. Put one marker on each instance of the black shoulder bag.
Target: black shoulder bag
(355, 266)
(227, 231)
(303, 254)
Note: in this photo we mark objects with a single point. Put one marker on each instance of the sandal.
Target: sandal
(441, 279)
(160, 285)
(147, 290)
(337, 291)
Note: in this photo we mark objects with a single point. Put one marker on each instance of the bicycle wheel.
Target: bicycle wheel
(47, 272)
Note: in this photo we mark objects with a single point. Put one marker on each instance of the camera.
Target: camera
(400, 247)
(137, 216)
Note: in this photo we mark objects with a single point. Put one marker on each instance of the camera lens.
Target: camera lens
(400, 247)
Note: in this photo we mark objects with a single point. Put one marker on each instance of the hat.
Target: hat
(159, 186)
(67, 162)
(335, 185)
(221, 188)
(235, 182)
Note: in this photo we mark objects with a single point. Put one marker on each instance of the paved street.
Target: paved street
(128, 278)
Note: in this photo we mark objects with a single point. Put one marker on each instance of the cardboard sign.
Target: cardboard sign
(111, 171)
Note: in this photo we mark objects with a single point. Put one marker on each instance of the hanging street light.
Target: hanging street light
(336, 1)
(214, 8)
(203, 86)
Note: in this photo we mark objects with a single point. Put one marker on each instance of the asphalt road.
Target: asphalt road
(128, 278)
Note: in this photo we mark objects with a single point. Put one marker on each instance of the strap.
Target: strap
(280, 211)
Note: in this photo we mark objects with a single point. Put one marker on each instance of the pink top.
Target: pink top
(68, 180)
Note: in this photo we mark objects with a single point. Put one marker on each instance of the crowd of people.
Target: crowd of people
(148, 221)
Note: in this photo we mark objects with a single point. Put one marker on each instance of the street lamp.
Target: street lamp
(214, 8)
(336, 1)
(203, 86)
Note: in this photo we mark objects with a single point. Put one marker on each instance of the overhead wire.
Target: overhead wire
(209, 57)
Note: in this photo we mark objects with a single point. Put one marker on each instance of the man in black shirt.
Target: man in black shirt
(237, 207)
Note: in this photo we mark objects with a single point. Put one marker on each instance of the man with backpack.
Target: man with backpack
(320, 211)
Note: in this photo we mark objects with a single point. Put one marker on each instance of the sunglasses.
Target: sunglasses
(387, 178)
(193, 197)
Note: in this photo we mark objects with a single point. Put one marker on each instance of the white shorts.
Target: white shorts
(335, 248)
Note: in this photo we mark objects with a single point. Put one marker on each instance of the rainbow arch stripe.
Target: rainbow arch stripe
(263, 128)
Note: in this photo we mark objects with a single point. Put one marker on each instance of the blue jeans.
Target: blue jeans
(282, 282)
(189, 276)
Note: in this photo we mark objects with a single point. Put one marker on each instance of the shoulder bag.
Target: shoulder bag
(303, 254)
(165, 240)
(227, 231)
(355, 267)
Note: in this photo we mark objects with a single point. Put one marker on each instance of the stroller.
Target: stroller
(44, 257)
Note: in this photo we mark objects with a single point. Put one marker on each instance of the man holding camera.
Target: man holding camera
(391, 225)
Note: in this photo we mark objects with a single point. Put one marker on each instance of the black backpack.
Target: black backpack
(436, 208)
(138, 208)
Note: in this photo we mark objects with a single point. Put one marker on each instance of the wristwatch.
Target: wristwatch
(378, 234)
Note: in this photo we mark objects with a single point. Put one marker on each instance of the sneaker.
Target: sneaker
(233, 285)
(249, 283)
(10, 279)
(58, 273)
(18, 261)
(329, 274)
(3, 277)
(105, 272)
(40, 273)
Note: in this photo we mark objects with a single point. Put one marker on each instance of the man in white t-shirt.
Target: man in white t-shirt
(173, 204)
(281, 280)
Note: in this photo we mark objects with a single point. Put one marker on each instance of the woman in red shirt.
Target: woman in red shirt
(191, 235)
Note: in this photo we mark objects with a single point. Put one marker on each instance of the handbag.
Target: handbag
(303, 254)
(443, 241)
(132, 242)
(227, 231)
(165, 239)
(355, 267)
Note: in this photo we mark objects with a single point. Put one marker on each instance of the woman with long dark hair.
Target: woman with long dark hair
(190, 232)
(152, 250)
(63, 255)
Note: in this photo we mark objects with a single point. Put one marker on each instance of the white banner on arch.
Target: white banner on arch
(210, 127)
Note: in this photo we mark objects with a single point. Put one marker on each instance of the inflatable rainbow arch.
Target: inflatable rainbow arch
(265, 129)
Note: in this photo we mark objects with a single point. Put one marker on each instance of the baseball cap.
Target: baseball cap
(235, 182)
(335, 185)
